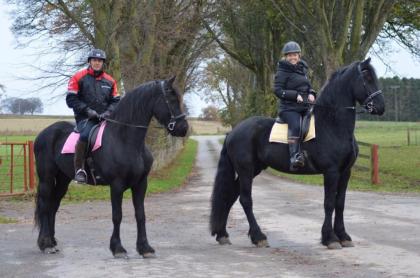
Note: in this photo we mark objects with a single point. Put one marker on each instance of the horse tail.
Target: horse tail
(225, 193)
(45, 168)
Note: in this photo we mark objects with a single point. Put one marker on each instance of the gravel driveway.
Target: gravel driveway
(384, 227)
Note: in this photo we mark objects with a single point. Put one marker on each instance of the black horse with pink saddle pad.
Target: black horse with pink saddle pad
(123, 160)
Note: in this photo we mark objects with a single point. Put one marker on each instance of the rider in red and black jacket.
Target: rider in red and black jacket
(93, 95)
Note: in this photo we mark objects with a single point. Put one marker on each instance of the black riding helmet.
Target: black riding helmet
(291, 47)
(96, 53)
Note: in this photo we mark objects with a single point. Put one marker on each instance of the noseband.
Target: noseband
(368, 102)
(174, 119)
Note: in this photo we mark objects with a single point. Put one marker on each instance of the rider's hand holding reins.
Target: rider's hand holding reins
(92, 114)
(299, 99)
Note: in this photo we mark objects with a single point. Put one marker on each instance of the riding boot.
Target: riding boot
(296, 157)
(79, 161)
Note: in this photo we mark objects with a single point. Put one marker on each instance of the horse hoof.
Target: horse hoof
(224, 241)
(262, 243)
(50, 250)
(347, 243)
(149, 255)
(121, 255)
(334, 245)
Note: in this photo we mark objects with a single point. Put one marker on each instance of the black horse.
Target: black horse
(123, 161)
(247, 151)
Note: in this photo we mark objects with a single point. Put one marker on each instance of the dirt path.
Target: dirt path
(385, 228)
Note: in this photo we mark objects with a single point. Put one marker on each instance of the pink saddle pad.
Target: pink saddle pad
(70, 144)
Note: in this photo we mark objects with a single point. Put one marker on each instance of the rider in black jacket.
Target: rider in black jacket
(93, 95)
(294, 89)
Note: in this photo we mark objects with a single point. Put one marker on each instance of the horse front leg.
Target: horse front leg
(245, 198)
(115, 243)
(138, 194)
(339, 229)
(329, 238)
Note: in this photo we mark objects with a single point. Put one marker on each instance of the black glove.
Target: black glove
(92, 114)
(105, 115)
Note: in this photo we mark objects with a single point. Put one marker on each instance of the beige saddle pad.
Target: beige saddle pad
(279, 132)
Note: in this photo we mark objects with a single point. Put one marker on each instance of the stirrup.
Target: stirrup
(81, 176)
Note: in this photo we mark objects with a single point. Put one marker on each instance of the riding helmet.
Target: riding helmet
(291, 47)
(97, 53)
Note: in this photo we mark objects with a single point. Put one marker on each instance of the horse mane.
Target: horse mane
(335, 86)
(132, 107)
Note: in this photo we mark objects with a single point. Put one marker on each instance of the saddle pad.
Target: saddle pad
(70, 144)
(279, 132)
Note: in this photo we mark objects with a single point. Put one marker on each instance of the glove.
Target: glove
(312, 91)
(92, 114)
(104, 115)
(299, 99)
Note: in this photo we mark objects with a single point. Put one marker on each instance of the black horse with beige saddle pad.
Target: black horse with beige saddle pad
(247, 151)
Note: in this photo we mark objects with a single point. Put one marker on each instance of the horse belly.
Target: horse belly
(276, 156)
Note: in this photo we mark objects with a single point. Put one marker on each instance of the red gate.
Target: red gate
(17, 164)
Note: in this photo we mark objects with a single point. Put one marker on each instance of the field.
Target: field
(199, 127)
(27, 125)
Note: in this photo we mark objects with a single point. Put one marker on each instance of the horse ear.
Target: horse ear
(171, 80)
(366, 62)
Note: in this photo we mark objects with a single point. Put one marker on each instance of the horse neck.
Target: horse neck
(136, 110)
(331, 112)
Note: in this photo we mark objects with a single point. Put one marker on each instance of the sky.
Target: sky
(14, 67)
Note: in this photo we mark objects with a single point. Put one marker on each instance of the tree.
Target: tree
(22, 106)
(331, 33)
(229, 86)
(209, 113)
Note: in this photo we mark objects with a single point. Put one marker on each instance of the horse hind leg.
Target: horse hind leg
(222, 235)
(60, 190)
(257, 237)
(43, 210)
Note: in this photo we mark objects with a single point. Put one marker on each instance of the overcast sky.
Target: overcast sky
(13, 66)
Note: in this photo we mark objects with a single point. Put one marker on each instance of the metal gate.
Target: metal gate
(17, 164)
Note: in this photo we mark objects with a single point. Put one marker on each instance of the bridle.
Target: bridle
(367, 103)
(172, 121)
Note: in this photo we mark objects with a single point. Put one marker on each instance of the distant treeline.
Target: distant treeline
(402, 100)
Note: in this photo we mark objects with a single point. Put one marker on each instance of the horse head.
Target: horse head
(168, 110)
(366, 89)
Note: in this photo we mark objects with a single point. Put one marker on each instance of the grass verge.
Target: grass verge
(7, 220)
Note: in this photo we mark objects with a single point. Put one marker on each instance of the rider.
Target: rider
(93, 95)
(293, 87)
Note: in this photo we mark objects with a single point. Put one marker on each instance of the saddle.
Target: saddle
(279, 130)
(94, 143)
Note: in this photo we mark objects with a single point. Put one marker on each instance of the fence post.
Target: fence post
(408, 136)
(31, 165)
(375, 164)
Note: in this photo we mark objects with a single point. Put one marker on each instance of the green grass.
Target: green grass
(7, 220)
(399, 163)
(165, 179)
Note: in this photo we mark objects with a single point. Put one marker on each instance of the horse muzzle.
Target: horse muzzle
(178, 128)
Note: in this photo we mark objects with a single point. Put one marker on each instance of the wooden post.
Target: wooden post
(408, 136)
(375, 164)
(11, 168)
(25, 171)
(31, 165)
